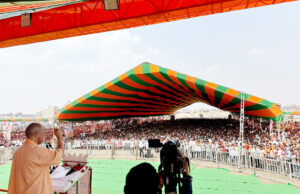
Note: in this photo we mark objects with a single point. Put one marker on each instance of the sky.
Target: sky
(255, 50)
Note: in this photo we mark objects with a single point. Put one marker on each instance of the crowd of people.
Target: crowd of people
(261, 139)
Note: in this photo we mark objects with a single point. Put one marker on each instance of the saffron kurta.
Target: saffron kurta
(30, 169)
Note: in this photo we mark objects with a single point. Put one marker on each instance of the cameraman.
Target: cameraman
(143, 178)
(187, 180)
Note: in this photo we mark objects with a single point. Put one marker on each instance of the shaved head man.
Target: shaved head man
(30, 167)
(36, 132)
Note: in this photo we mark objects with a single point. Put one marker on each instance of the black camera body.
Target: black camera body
(171, 166)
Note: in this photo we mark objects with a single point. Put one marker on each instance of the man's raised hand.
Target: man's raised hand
(58, 133)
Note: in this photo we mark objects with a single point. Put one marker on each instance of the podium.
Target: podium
(74, 176)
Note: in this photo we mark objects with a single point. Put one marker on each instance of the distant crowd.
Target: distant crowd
(194, 135)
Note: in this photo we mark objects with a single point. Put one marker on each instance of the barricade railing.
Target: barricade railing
(248, 161)
(213, 155)
(113, 150)
(231, 158)
(6, 155)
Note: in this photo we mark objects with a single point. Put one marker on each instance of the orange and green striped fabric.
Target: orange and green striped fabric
(22, 119)
(89, 17)
(292, 113)
(149, 90)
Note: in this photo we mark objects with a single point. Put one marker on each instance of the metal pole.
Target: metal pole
(217, 153)
(87, 148)
(136, 150)
(254, 165)
(91, 148)
(1, 154)
(77, 187)
(112, 149)
(290, 171)
(241, 135)
(278, 130)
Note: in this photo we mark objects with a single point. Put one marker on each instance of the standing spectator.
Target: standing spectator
(141, 147)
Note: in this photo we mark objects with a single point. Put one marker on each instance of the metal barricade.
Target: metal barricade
(248, 161)
(245, 161)
(6, 155)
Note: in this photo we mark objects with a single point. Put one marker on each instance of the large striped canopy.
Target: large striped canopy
(149, 90)
(87, 17)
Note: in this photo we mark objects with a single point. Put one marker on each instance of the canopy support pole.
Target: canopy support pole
(241, 134)
(278, 131)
